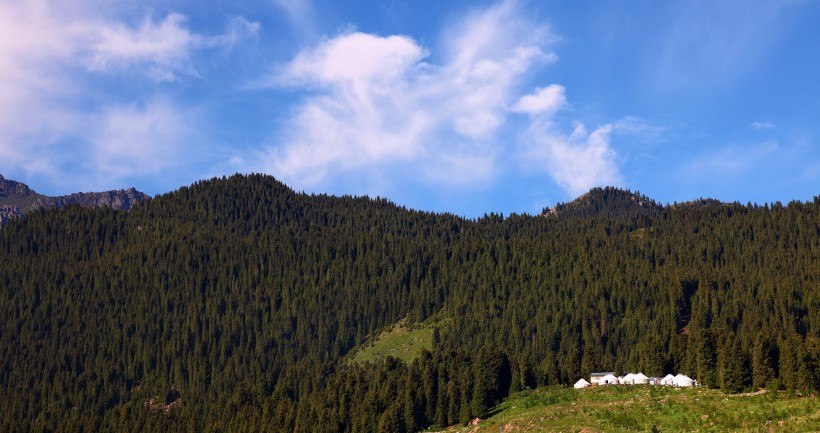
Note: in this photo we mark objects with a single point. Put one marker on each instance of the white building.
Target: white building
(595, 378)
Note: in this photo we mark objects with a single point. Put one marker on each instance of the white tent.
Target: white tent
(640, 379)
(582, 383)
(629, 379)
(668, 380)
(596, 378)
(683, 380)
(609, 379)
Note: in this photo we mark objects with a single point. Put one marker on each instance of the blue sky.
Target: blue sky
(464, 107)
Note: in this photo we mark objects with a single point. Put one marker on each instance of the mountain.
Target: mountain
(233, 305)
(16, 199)
(607, 202)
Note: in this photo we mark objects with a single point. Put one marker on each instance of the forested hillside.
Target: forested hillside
(228, 306)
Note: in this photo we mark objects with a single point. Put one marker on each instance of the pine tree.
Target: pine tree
(764, 360)
(733, 375)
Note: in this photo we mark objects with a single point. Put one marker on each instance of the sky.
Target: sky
(466, 107)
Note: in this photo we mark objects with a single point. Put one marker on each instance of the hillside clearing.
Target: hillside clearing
(402, 341)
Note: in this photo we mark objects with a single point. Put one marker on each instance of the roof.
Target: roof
(602, 374)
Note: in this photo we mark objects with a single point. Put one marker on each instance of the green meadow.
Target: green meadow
(646, 408)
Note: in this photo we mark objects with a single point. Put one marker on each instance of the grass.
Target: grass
(403, 341)
(649, 408)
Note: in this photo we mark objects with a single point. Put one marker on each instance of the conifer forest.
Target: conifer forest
(232, 305)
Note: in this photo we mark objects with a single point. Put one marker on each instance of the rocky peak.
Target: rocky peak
(16, 198)
(14, 189)
(609, 201)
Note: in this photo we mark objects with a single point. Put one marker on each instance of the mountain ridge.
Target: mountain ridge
(17, 199)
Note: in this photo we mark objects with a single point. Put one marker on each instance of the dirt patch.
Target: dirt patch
(154, 404)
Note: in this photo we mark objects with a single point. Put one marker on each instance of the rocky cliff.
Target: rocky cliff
(16, 198)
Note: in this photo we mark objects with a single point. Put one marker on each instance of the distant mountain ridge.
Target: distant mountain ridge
(17, 198)
(609, 201)
(616, 202)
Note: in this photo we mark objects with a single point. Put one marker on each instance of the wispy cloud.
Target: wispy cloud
(299, 13)
(378, 102)
(710, 43)
(141, 139)
(163, 49)
(762, 125)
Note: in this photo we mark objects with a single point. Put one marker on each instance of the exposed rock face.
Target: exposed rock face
(7, 213)
(16, 198)
(121, 199)
(11, 188)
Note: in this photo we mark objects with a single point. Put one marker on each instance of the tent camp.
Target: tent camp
(582, 383)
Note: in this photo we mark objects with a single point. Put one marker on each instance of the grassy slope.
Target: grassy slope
(644, 408)
(402, 340)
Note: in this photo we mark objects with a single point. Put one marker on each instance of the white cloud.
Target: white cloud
(163, 48)
(379, 104)
(578, 161)
(545, 100)
(51, 53)
(357, 60)
(762, 125)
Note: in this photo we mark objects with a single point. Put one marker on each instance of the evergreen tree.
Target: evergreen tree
(733, 376)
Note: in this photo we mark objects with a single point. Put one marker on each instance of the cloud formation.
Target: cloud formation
(545, 101)
(377, 102)
(576, 162)
(53, 52)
